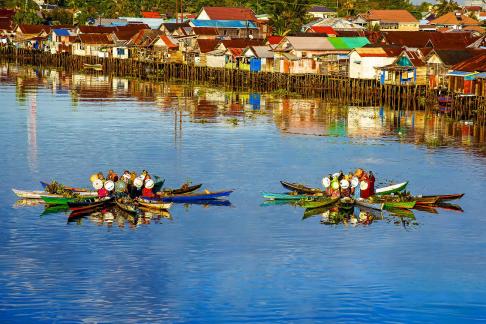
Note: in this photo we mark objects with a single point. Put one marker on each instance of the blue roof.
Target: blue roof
(458, 73)
(61, 32)
(224, 23)
(481, 75)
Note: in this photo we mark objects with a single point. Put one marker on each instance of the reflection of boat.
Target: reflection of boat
(54, 209)
(391, 189)
(448, 206)
(126, 206)
(28, 202)
(279, 202)
(401, 212)
(315, 211)
(300, 188)
(182, 190)
(427, 209)
(150, 213)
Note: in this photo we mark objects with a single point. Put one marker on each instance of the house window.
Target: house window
(120, 51)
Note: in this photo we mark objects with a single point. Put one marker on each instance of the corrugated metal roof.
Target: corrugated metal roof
(61, 32)
(474, 64)
(458, 73)
(348, 42)
(229, 13)
(242, 24)
(310, 43)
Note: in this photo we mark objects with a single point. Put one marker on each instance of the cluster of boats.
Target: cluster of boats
(391, 198)
(82, 201)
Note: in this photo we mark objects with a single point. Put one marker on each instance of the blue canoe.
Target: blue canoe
(286, 196)
(193, 197)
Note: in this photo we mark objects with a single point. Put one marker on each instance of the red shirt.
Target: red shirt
(147, 193)
(102, 193)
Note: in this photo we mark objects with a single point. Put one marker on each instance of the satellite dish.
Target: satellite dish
(250, 36)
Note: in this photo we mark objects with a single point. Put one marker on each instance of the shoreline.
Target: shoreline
(348, 91)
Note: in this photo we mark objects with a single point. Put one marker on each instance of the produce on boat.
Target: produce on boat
(127, 205)
(45, 186)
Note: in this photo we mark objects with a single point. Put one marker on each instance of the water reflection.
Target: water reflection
(291, 115)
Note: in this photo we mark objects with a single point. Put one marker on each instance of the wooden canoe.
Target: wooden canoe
(425, 201)
(300, 188)
(32, 194)
(89, 203)
(318, 203)
(445, 197)
(188, 198)
(399, 204)
(182, 190)
(391, 189)
(154, 205)
(60, 200)
(287, 196)
(370, 205)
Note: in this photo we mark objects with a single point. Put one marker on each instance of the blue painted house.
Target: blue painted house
(408, 69)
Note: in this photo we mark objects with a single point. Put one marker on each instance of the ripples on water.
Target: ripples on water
(246, 262)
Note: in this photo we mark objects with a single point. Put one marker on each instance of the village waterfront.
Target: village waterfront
(244, 262)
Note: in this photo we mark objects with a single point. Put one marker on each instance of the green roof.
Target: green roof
(348, 43)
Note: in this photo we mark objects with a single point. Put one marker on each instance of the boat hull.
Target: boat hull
(399, 204)
(391, 189)
(188, 198)
(300, 188)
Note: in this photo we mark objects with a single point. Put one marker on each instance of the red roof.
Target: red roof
(226, 13)
(207, 45)
(323, 30)
(168, 42)
(473, 8)
(34, 29)
(474, 64)
(95, 39)
(419, 39)
(9, 13)
(207, 31)
(274, 40)
(236, 52)
(151, 14)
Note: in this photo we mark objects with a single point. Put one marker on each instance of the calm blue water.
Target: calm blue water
(244, 263)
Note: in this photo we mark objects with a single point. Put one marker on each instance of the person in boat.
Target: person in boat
(147, 189)
(121, 186)
(100, 188)
(335, 187)
(111, 175)
(101, 176)
(371, 183)
(136, 189)
(364, 186)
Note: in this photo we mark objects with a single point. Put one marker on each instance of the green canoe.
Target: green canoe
(391, 189)
(312, 204)
(399, 204)
(60, 200)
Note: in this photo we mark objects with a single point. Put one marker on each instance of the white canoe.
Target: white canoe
(36, 194)
(154, 205)
(391, 189)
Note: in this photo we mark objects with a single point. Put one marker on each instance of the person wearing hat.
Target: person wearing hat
(101, 176)
(101, 190)
(371, 182)
(136, 189)
(147, 189)
(112, 175)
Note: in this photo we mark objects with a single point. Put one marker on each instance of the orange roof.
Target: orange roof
(482, 14)
(274, 40)
(323, 30)
(236, 52)
(454, 18)
(151, 14)
(168, 42)
(391, 16)
(95, 39)
(473, 8)
(474, 64)
(478, 29)
(226, 13)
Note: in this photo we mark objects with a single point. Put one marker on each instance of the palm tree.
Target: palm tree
(445, 6)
